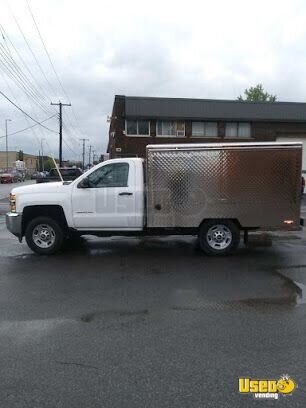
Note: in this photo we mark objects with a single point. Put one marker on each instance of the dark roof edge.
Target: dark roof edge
(209, 100)
(217, 119)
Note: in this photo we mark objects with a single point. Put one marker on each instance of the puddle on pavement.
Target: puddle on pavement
(290, 276)
(266, 304)
(90, 317)
(261, 305)
(27, 330)
(294, 295)
(301, 297)
(100, 251)
(24, 257)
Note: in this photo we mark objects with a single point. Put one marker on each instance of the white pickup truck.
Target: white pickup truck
(214, 191)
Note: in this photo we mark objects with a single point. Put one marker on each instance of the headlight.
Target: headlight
(13, 202)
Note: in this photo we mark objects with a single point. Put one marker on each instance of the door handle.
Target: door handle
(125, 194)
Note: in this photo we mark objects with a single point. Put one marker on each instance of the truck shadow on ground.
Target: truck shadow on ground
(98, 246)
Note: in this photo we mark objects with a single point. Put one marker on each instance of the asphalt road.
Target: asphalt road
(149, 323)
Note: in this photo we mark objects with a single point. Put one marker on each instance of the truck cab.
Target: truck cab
(108, 197)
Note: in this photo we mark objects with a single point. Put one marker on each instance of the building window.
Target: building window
(143, 127)
(235, 129)
(138, 127)
(205, 129)
(170, 128)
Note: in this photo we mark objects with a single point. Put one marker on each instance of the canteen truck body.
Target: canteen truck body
(214, 191)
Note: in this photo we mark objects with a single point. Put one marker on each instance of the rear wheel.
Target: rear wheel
(219, 237)
(44, 236)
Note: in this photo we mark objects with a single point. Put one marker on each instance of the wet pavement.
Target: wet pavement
(150, 322)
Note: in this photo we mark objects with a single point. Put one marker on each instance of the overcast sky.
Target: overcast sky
(204, 49)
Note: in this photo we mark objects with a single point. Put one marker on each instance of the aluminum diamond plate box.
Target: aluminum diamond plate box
(256, 183)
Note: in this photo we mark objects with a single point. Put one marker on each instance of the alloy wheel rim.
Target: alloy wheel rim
(43, 236)
(219, 237)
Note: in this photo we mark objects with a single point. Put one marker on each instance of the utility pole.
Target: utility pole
(38, 165)
(42, 155)
(84, 141)
(89, 155)
(60, 104)
(6, 143)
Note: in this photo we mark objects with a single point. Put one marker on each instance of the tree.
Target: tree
(20, 155)
(48, 164)
(257, 94)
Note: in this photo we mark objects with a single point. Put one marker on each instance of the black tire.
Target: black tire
(219, 237)
(57, 236)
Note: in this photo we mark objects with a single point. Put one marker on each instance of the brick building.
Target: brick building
(30, 161)
(138, 121)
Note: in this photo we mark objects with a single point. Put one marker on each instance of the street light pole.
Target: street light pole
(42, 155)
(6, 143)
(89, 156)
(83, 155)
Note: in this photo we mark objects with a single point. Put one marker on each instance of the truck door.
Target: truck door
(107, 200)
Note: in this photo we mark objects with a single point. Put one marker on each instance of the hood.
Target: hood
(56, 187)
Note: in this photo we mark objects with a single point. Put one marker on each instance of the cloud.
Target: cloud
(195, 49)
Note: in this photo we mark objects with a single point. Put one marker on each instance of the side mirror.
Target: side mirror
(84, 183)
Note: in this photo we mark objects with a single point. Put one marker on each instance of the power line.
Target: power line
(72, 136)
(25, 113)
(52, 66)
(21, 84)
(24, 117)
(31, 51)
(8, 58)
(70, 148)
(17, 75)
(20, 78)
(35, 93)
(25, 65)
(47, 52)
(27, 128)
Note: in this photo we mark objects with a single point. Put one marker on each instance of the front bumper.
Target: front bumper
(14, 224)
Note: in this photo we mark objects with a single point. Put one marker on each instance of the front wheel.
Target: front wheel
(44, 236)
(219, 237)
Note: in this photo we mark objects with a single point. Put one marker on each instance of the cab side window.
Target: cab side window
(110, 175)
